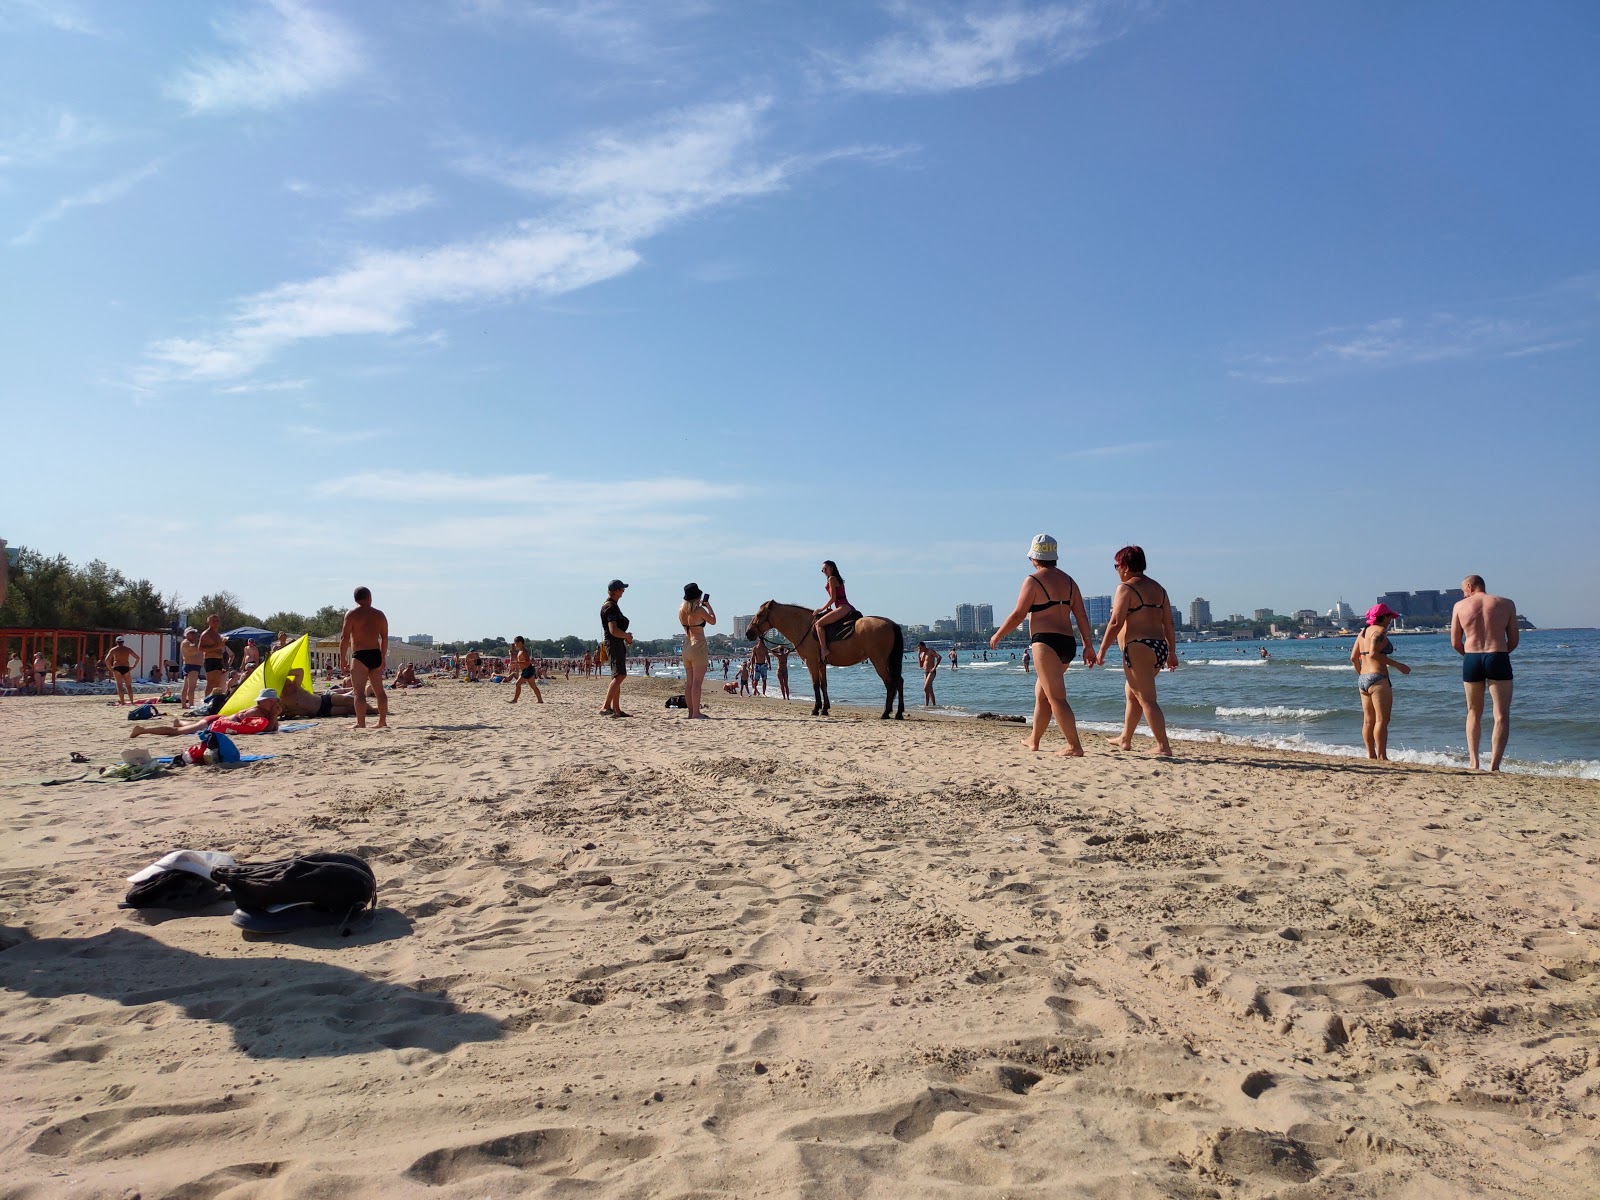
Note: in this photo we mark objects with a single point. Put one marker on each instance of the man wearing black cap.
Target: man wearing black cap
(614, 628)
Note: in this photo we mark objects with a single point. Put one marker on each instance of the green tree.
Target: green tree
(227, 607)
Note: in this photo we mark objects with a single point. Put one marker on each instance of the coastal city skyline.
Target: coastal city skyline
(420, 297)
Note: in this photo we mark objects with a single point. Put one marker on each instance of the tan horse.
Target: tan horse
(877, 639)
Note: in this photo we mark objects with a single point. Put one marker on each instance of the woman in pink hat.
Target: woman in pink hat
(1370, 657)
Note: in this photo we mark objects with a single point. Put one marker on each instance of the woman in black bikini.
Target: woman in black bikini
(1050, 601)
(1141, 621)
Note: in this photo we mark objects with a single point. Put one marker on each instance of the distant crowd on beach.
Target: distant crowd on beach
(1483, 630)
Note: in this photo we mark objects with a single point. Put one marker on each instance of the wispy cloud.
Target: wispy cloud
(61, 15)
(331, 438)
(938, 51)
(627, 30)
(532, 512)
(395, 202)
(275, 385)
(282, 51)
(47, 138)
(1545, 322)
(103, 193)
(614, 192)
(1120, 450)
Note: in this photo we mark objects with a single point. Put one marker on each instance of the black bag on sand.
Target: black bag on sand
(339, 884)
(678, 701)
(174, 889)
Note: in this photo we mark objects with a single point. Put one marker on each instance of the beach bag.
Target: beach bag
(221, 743)
(337, 884)
(178, 889)
(143, 713)
(678, 701)
(602, 656)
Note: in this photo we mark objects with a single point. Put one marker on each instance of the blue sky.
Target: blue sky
(481, 303)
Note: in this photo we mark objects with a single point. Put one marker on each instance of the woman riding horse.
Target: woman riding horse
(837, 609)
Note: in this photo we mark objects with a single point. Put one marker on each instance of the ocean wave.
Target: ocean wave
(1309, 667)
(1277, 712)
(1226, 662)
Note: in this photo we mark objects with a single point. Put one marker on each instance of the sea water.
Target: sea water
(1301, 698)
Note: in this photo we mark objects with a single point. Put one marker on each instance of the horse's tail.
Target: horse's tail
(897, 663)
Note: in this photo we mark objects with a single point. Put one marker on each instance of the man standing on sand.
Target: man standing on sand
(366, 633)
(120, 661)
(214, 654)
(1483, 630)
(758, 664)
(614, 628)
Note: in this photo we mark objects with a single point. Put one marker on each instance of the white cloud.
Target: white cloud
(1545, 322)
(393, 203)
(1120, 450)
(618, 190)
(283, 50)
(976, 49)
(329, 438)
(533, 514)
(62, 15)
(47, 138)
(616, 29)
(253, 387)
(103, 193)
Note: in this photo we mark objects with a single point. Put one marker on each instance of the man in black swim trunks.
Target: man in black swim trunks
(120, 661)
(1483, 630)
(366, 633)
(300, 701)
(214, 654)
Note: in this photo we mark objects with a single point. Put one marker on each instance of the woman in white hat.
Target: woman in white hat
(1050, 600)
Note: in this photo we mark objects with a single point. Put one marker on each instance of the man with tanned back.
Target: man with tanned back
(214, 655)
(1483, 630)
(366, 633)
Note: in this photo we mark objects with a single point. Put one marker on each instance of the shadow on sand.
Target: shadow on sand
(276, 1007)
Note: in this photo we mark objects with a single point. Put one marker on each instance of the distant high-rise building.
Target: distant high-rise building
(966, 618)
(917, 631)
(1449, 598)
(1400, 602)
(420, 639)
(1305, 615)
(944, 625)
(1264, 614)
(1199, 613)
(1425, 603)
(1099, 610)
(1341, 612)
(740, 624)
(985, 618)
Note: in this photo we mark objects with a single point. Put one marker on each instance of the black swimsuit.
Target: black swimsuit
(1064, 645)
(370, 659)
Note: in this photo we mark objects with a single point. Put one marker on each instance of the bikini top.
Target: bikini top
(701, 625)
(1048, 602)
(1142, 605)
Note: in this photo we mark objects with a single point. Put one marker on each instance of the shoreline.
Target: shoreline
(768, 954)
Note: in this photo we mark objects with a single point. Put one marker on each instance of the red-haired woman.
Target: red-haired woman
(1141, 622)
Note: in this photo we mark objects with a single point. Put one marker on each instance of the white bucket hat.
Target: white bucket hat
(1043, 548)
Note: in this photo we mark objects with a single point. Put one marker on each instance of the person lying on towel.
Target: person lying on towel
(300, 702)
(260, 717)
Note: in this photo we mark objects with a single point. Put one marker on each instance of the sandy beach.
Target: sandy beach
(766, 955)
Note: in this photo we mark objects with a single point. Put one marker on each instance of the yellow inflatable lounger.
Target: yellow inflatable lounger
(271, 673)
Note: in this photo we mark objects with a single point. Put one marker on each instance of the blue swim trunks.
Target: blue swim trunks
(761, 672)
(1479, 668)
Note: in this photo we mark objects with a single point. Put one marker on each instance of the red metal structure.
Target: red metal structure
(58, 645)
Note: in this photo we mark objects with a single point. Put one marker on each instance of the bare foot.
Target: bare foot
(1120, 744)
(1031, 744)
(1161, 752)
(1070, 752)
